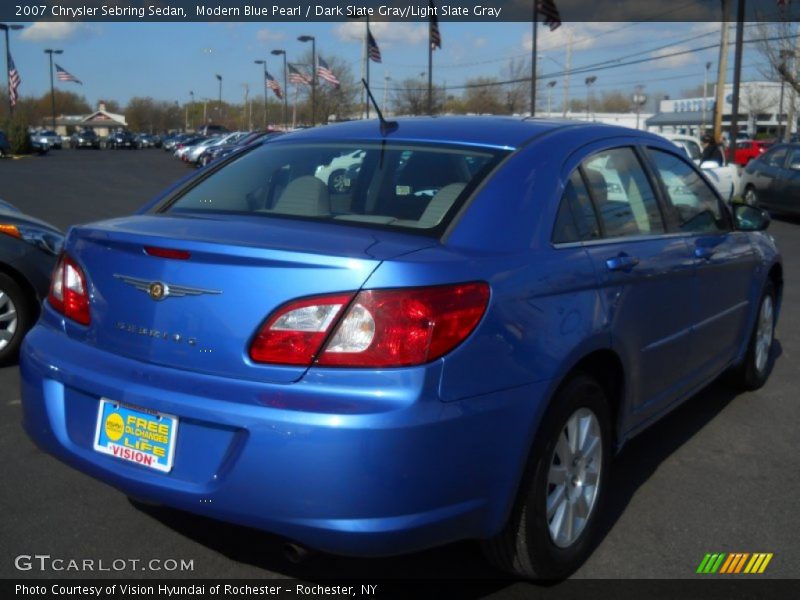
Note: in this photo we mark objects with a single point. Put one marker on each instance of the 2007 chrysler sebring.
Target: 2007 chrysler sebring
(372, 340)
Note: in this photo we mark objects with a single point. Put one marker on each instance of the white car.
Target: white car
(49, 138)
(722, 177)
(335, 173)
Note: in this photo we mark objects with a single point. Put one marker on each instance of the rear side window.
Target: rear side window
(696, 205)
(621, 191)
(390, 184)
(576, 220)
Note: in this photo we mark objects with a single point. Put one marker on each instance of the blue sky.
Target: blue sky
(166, 60)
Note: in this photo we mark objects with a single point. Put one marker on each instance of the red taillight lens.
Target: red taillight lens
(396, 328)
(294, 334)
(69, 294)
(381, 328)
(167, 253)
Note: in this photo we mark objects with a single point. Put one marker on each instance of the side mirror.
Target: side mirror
(709, 164)
(750, 218)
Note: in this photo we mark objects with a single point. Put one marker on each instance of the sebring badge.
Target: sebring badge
(158, 290)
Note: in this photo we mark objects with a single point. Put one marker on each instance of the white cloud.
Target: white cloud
(680, 60)
(385, 33)
(268, 35)
(480, 42)
(51, 30)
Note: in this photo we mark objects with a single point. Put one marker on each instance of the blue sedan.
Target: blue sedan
(449, 342)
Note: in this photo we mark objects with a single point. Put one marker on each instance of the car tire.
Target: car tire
(750, 196)
(16, 318)
(532, 544)
(759, 359)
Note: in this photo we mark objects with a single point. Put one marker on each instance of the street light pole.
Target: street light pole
(266, 117)
(219, 102)
(550, 86)
(191, 110)
(705, 96)
(50, 52)
(5, 28)
(589, 81)
(285, 90)
(313, 40)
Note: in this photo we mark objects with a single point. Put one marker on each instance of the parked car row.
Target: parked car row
(199, 150)
(772, 180)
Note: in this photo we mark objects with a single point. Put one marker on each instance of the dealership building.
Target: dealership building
(102, 121)
(763, 107)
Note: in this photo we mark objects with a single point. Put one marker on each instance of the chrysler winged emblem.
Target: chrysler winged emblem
(158, 290)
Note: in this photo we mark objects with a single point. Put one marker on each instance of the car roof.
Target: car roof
(498, 132)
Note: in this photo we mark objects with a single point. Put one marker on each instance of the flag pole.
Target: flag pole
(533, 56)
(366, 63)
(430, 71)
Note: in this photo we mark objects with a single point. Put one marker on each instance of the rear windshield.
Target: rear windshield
(392, 185)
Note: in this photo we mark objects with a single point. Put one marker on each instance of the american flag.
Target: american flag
(372, 48)
(14, 80)
(433, 33)
(552, 18)
(64, 75)
(324, 71)
(297, 77)
(273, 84)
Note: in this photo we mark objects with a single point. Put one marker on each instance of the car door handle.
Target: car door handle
(703, 252)
(623, 262)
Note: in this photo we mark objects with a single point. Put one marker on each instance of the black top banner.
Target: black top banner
(386, 10)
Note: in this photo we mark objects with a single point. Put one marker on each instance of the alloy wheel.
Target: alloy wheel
(8, 319)
(573, 477)
(764, 333)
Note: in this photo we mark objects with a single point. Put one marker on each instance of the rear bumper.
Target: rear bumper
(373, 467)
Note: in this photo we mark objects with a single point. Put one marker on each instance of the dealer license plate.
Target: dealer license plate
(135, 434)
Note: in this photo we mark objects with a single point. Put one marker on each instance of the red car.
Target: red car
(747, 150)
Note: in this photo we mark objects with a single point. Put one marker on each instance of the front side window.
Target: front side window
(696, 205)
(625, 201)
(388, 184)
(775, 157)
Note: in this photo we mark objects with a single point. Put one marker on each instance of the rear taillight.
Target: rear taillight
(69, 294)
(377, 328)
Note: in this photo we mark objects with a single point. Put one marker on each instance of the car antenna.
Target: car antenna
(386, 126)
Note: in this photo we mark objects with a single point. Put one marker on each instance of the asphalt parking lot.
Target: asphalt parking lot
(720, 474)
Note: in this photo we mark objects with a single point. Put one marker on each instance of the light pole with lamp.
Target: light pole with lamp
(191, 110)
(50, 51)
(219, 101)
(313, 40)
(550, 86)
(705, 96)
(5, 28)
(278, 52)
(589, 81)
(264, 79)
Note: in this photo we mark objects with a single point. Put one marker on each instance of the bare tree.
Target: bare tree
(755, 101)
(483, 96)
(517, 94)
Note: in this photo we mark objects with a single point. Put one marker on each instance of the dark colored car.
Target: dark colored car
(121, 139)
(147, 140)
(211, 130)
(173, 140)
(28, 250)
(772, 181)
(747, 150)
(449, 343)
(5, 146)
(87, 138)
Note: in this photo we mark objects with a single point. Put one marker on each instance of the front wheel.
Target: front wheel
(758, 361)
(553, 523)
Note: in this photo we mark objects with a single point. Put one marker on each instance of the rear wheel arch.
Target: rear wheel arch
(605, 366)
(22, 282)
